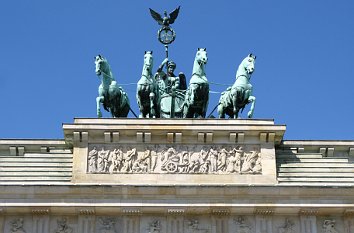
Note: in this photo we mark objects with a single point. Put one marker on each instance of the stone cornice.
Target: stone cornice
(99, 130)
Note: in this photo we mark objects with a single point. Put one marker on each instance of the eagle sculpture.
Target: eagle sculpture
(166, 20)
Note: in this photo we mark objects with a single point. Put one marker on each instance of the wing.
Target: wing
(173, 15)
(182, 81)
(156, 16)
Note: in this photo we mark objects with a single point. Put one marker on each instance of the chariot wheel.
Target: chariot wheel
(171, 167)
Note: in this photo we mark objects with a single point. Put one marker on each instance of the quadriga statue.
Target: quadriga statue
(147, 93)
(197, 95)
(113, 97)
(235, 98)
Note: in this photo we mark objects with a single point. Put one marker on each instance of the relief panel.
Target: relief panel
(180, 159)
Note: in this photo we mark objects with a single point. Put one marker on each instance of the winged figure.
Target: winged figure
(167, 19)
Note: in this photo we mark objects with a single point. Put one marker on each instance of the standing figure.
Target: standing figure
(115, 159)
(222, 160)
(172, 90)
(128, 160)
(231, 162)
(102, 160)
(92, 160)
(213, 158)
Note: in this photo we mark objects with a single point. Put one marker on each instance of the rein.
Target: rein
(201, 77)
(106, 75)
(149, 80)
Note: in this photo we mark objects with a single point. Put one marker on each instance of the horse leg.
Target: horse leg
(234, 94)
(252, 100)
(236, 113)
(140, 103)
(186, 104)
(221, 110)
(152, 105)
(99, 100)
(187, 111)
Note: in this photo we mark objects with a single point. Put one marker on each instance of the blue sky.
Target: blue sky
(304, 75)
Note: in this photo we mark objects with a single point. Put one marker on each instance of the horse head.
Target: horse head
(201, 56)
(148, 61)
(101, 65)
(248, 63)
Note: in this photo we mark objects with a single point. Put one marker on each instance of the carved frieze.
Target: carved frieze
(107, 225)
(17, 226)
(242, 225)
(329, 226)
(63, 226)
(174, 159)
(193, 226)
(155, 226)
(288, 227)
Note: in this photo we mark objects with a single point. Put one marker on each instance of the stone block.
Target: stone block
(330, 152)
(232, 137)
(13, 150)
(115, 136)
(201, 137)
(209, 137)
(178, 137)
(240, 137)
(20, 150)
(300, 150)
(263, 137)
(139, 136)
(271, 137)
(76, 137)
(107, 137)
(323, 151)
(351, 151)
(170, 137)
(147, 137)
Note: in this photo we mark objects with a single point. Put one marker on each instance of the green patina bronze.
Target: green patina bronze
(147, 93)
(197, 95)
(172, 90)
(235, 98)
(166, 35)
(165, 95)
(113, 97)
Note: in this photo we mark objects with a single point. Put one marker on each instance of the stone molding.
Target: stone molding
(220, 212)
(40, 211)
(308, 212)
(132, 212)
(86, 212)
(176, 211)
(264, 211)
(348, 212)
(193, 130)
